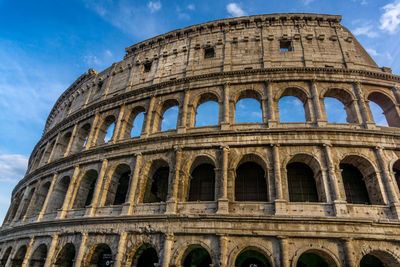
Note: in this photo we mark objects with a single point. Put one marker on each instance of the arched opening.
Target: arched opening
(119, 185)
(106, 131)
(38, 257)
(5, 257)
(137, 125)
(379, 258)
(26, 203)
(170, 118)
(62, 145)
(196, 256)
(202, 183)
(250, 183)
(378, 114)
(207, 114)
(360, 181)
(47, 152)
(66, 256)
(101, 257)
(58, 195)
(15, 205)
(85, 192)
(157, 183)
(337, 100)
(396, 171)
(301, 183)
(146, 256)
(40, 197)
(387, 106)
(371, 261)
(251, 258)
(311, 260)
(291, 109)
(19, 257)
(248, 110)
(81, 138)
(335, 110)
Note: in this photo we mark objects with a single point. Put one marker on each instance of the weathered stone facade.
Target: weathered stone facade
(84, 201)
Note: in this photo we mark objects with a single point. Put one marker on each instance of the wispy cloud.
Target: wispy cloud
(98, 60)
(367, 30)
(372, 52)
(132, 18)
(154, 6)
(191, 7)
(307, 2)
(390, 19)
(235, 10)
(12, 167)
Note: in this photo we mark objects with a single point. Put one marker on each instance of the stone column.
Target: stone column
(53, 150)
(183, 117)
(28, 252)
(223, 251)
(149, 117)
(121, 249)
(284, 249)
(134, 184)
(71, 140)
(349, 252)
(223, 201)
(225, 124)
(317, 104)
(81, 251)
(366, 119)
(388, 182)
(98, 188)
(280, 202)
(172, 201)
(119, 125)
(396, 92)
(169, 241)
(46, 201)
(93, 131)
(68, 196)
(51, 252)
(270, 105)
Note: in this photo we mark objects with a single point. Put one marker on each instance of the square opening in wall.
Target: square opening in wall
(209, 52)
(147, 67)
(286, 46)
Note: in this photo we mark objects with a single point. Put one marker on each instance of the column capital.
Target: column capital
(138, 154)
(177, 148)
(224, 147)
(327, 145)
(275, 145)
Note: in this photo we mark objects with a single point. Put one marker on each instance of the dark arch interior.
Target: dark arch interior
(38, 257)
(102, 256)
(250, 183)
(202, 183)
(301, 183)
(198, 257)
(66, 256)
(354, 185)
(58, 195)
(146, 256)
(5, 256)
(311, 260)
(40, 198)
(396, 170)
(158, 186)
(19, 257)
(26, 203)
(122, 189)
(251, 258)
(86, 189)
(82, 137)
(370, 261)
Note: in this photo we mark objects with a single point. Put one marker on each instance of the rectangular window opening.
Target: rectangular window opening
(147, 67)
(285, 46)
(209, 52)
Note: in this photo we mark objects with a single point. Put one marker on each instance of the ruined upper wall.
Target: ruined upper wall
(254, 42)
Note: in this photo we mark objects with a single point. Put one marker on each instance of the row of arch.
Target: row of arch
(196, 255)
(249, 105)
(303, 175)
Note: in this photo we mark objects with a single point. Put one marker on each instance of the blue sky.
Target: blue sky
(45, 45)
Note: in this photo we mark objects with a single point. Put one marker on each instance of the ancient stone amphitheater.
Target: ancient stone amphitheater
(312, 193)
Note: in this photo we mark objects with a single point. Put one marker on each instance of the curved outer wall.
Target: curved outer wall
(222, 61)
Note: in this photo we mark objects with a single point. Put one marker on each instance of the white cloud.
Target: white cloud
(132, 17)
(366, 30)
(235, 10)
(108, 53)
(154, 6)
(191, 7)
(307, 2)
(372, 52)
(390, 19)
(12, 167)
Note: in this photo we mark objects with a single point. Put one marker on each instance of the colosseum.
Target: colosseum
(243, 194)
